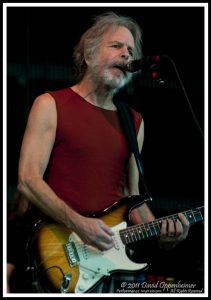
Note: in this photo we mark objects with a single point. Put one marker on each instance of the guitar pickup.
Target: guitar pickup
(72, 254)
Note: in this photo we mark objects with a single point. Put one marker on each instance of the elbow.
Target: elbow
(24, 180)
(22, 183)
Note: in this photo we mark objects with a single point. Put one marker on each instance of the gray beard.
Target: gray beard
(106, 81)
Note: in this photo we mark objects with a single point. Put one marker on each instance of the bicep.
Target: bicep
(39, 137)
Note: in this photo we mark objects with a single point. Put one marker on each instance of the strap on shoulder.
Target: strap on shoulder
(127, 121)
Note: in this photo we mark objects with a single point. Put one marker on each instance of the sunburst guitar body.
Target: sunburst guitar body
(66, 265)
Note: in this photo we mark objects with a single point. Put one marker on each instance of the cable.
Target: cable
(185, 93)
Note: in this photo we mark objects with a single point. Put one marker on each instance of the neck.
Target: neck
(100, 96)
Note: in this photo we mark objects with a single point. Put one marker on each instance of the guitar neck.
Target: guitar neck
(143, 231)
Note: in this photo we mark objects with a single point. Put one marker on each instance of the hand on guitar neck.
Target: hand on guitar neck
(173, 232)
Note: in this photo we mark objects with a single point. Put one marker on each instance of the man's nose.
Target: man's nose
(125, 53)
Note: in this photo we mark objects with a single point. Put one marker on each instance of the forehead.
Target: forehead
(120, 34)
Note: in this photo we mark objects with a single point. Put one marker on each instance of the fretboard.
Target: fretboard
(143, 231)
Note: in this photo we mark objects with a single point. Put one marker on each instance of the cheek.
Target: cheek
(105, 55)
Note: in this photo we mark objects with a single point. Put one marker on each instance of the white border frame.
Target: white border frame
(5, 5)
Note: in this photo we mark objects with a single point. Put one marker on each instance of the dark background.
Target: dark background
(40, 42)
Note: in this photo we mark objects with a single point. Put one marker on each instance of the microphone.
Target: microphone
(138, 64)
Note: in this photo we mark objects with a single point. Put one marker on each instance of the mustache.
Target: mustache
(123, 66)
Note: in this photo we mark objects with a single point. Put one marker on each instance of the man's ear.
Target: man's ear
(87, 57)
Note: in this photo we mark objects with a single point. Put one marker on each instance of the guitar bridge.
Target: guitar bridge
(72, 254)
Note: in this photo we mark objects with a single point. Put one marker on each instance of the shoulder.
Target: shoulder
(50, 97)
(138, 119)
(137, 115)
(43, 108)
(44, 99)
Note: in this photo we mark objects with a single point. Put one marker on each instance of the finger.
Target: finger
(107, 246)
(102, 245)
(185, 224)
(171, 228)
(178, 228)
(107, 229)
(163, 229)
(105, 233)
(183, 220)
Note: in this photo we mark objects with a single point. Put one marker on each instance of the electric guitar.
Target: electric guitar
(66, 265)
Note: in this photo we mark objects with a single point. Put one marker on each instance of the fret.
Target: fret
(132, 235)
(190, 215)
(194, 216)
(128, 235)
(128, 238)
(136, 233)
(124, 236)
(201, 216)
(152, 229)
(145, 230)
(148, 229)
(158, 225)
(142, 231)
(173, 218)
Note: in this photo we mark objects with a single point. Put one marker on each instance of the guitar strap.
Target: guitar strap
(127, 121)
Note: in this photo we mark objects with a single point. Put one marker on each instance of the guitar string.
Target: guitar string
(158, 222)
(151, 224)
(131, 232)
(175, 217)
(129, 238)
(146, 227)
(134, 228)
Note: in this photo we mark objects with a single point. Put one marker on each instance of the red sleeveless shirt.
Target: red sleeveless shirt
(88, 164)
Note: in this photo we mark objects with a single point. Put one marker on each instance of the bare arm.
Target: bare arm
(36, 149)
(10, 269)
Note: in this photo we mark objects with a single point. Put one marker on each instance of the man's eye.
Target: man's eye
(115, 46)
(130, 52)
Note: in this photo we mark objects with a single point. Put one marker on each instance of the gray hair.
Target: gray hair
(91, 39)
